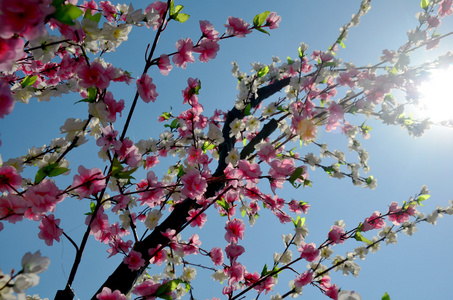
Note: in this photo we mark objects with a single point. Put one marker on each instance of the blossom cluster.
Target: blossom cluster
(250, 145)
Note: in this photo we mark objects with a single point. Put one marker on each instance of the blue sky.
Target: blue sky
(418, 267)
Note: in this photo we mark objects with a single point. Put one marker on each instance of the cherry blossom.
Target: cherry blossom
(237, 27)
(88, 182)
(146, 88)
(134, 260)
(49, 230)
(184, 55)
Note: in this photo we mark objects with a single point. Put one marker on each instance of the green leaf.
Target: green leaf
(298, 220)
(66, 13)
(165, 289)
(166, 115)
(423, 197)
(264, 271)
(262, 30)
(178, 8)
(296, 175)
(247, 109)
(174, 124)
(386, 296)
(369, 180)
(289, 60)
(259, 20)
(263, 71)
(92, 92)
(301, 53)
(29, 80)
(225, 205)
(96, 18)
(207, 146)
(181, 18)
(172, 7)
(424, 4)
(359, 237)
(180, 171)
(51, 170)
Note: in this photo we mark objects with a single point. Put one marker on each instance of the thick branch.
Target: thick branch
(123, 278)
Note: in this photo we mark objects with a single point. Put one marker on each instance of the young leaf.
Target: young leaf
(359, 237)
(181, 18)
(424, 4)
(262, 30)
(29, 80)
(66, 13)
(247, 109)
(95, 18)
(259, 20)
(263, 71)
(51, 170)
(386, 296)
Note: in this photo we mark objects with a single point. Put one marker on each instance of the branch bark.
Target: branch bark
(123, 278)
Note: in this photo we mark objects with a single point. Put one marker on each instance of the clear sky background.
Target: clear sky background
(418, 267)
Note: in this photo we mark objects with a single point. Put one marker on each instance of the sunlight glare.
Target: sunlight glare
(437, 95)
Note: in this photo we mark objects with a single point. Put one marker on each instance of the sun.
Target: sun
(437, 95)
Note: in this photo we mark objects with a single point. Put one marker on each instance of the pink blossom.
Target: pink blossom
(134, 260)
(309, 252)
(208, 31)
(146, 89)
(94, 75)
(272, 20)
(107, 294)
(184, 55)
(157, 257)
(445, 8)
(113, 107)
(332, 292)
(108, 138)
(250, 171)
(190, 96)
(92, 5)
(151, 161)
(237, 27)
(147, 288)
(216, 255)
(161, 8)
(304, 127)
(24, 17)
(196, 220)
(164, 64)
(12, 208)
(10, 50)
(336, 114)
(304, 279)
(208, 50)
(373, 222)
(233, 251)
(43, 197)
(88, 182)
(267, 152)
(298, 207)
(118, 245)
(49, 230)
(192, 246)
(6, 99)
(129, 153)
(10, 180)
(108, 10)
(236, 273)
(194, 184)
(234, 230)
(335, 235)
(397, 215)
